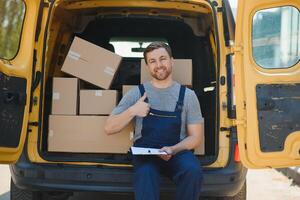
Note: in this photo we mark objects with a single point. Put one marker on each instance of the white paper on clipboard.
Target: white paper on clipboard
(146, 151)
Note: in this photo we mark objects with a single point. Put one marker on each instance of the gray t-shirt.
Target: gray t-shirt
(164, 99)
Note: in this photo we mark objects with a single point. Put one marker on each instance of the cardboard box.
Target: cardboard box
(200, 150)
(91, 63)
(126, 88)
(97, 102)
(85, 134)
(182, 71)
(64, 96)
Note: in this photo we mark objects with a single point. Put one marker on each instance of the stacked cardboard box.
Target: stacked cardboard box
(126, 88)
(97, 102)
(64, 96)
(84, 133)
(91, 63)
(182, 71)
(200, 150)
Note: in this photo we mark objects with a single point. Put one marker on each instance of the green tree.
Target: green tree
(11, 21)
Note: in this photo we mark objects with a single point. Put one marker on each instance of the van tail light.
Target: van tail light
(236, 153)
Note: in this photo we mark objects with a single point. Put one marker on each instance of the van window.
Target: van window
(276, 37)
(132, 47)
(11, 21)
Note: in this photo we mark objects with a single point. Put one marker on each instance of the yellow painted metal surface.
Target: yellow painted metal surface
(21, 66)
(248, 74)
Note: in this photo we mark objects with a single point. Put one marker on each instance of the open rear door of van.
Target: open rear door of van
(267, 82)
(19, 32)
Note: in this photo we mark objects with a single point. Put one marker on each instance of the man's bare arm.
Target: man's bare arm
(193, 140)
(115, 123)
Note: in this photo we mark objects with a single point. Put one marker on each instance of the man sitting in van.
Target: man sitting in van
(168, 117)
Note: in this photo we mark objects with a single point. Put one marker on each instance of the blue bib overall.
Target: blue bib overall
(159, 129)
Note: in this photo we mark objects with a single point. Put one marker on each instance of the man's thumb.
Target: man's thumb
(143, 97)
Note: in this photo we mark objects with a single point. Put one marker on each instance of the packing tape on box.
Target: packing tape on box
(51, 133)
(74, 55)
(109, 71)
(55, 96)
(98, 93)
(131, 135)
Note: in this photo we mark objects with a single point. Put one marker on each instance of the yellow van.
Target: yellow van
(246, 76)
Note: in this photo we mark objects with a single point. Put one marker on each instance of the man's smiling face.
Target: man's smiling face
(160, 63)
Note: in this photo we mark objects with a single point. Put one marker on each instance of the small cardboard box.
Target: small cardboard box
(97, 102)
(126, 88)
(64, 96)
(200, 150)
(91, 63)
(182, 71)
(85, 134)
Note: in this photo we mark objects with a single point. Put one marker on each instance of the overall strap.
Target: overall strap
(142, 91)
(179, 104)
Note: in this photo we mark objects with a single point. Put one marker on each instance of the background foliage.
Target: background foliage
(11, 21)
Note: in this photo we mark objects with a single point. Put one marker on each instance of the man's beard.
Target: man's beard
(161, 75)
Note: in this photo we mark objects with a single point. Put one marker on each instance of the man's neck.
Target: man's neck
(162, 83)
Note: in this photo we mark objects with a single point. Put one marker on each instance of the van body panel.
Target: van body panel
(16, 79)
(190, 6)
(267, 94)
(220, 182)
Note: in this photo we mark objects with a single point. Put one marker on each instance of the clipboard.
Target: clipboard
(146, 151)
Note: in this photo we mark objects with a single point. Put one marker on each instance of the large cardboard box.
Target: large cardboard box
(85, 134)
(64, 96)
(97, 102)
(91, 63)
(182, 71)
(126, 88)
(200, 150)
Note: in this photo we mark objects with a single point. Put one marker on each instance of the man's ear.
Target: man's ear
(147, 66)
(172, 61)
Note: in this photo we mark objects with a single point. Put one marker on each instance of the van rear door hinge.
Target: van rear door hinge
(239, 122)
(225, 128)
(33, 123)
(236, 48)
(220, 9)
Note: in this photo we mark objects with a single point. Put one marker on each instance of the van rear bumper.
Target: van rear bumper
(52, 177)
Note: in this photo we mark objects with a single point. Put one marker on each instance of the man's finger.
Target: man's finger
(167, 150)
(165, 157)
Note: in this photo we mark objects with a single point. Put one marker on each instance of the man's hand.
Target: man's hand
(140, 108)
(169, 152)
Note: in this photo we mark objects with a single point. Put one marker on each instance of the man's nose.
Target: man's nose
(159, 63)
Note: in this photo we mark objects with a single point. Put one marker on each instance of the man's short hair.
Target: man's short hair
(157, 45)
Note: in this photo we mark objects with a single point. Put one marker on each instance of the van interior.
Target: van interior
(190, 35)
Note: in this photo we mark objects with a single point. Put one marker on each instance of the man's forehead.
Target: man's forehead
(156, 53)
